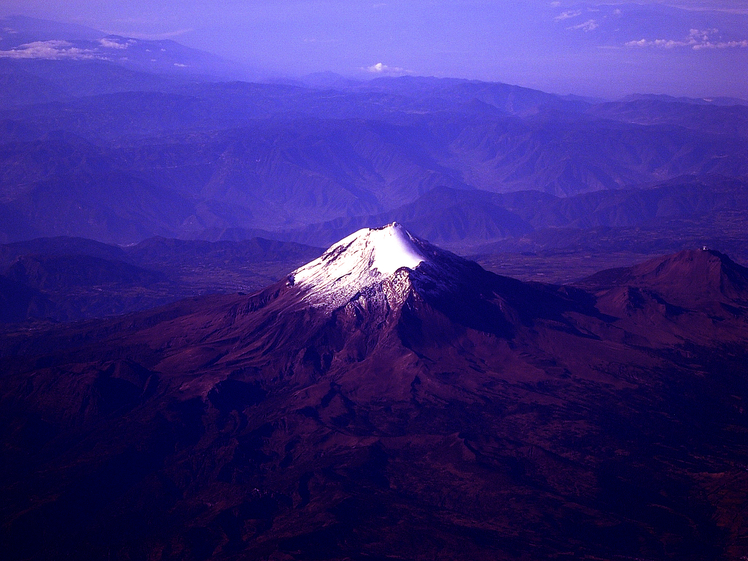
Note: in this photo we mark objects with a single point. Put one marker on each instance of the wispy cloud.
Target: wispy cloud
(102, 49)
(697, 39)
(109, 43)
(316, 40)
(727, 7)
(61, 50)
(154, 36)
(52, 50)
(568, 15)
(588, 25)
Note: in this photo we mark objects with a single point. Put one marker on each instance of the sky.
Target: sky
(676, 47)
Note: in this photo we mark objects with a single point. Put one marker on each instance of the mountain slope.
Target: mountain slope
(692, 295)
(687, 278)
(428, 408)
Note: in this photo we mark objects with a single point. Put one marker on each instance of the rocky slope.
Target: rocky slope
(388, 399)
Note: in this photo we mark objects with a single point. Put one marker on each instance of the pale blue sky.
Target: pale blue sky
(682, 47)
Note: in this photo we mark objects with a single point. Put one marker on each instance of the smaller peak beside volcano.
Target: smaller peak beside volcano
(699, 274)
(684, 278)
(362, 260)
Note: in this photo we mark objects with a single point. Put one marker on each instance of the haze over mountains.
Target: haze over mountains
(186, 374)
(182, 157)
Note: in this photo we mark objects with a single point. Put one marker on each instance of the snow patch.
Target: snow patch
(363, 259)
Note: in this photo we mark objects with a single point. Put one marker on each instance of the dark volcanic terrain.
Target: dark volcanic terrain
(65, 279)
(437, 411)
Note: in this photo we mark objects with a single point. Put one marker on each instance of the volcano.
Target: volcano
(388, 400)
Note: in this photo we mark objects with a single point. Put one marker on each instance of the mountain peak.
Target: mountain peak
(685, 278)
(364, 259)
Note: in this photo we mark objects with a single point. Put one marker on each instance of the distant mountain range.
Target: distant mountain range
(683, 213)
(119, 151)
(35, 40)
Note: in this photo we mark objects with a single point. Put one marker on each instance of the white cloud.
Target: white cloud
(722, 45)
(52, 50)
(568, 15)
(662, 43)
(108, 43)
(697, 39)
(555, 4)
(725, 7)
(380, 68)
(587, 26)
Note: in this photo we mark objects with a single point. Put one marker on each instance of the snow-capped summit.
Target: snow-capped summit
(360, 261)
